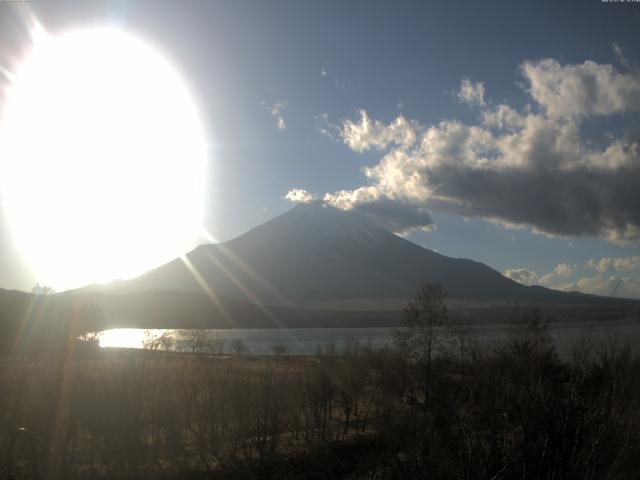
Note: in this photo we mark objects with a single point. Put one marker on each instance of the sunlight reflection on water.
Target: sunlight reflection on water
(125, 337)
(307, 341)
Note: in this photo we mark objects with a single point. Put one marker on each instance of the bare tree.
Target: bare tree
(197, 341)
(42, 290)
(424, 332)
(164, 342)
(239, 346)
(279, 349)
(462, 337)
(217, 343)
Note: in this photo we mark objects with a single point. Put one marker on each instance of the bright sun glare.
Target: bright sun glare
(122, 338)
(102, 158)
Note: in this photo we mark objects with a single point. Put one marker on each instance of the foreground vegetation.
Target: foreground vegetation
(434, 406)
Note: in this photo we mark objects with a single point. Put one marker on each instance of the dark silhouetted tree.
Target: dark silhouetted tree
(424, 332)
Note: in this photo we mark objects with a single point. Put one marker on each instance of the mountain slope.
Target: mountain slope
(318, 253)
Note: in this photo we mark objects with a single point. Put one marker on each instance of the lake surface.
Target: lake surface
(310, 341)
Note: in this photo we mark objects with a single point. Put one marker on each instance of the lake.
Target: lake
(309, 341)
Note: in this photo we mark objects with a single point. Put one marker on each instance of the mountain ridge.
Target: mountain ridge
(313, 266)
(315, 252)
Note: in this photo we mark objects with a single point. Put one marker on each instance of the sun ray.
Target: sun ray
(24, 322)
(206, 288)
(61, 413)
(251, 296)
(251, 272)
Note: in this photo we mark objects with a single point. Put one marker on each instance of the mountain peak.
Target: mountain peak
(317, 225)
(320, 207)
(316, 207)
(314, 204)
(316, 252)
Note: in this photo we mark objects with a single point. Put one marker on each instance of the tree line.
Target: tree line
(433, 405)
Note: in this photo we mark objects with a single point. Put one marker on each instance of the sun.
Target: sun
(102, 158)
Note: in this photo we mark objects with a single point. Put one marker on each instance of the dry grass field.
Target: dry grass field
(515, 410)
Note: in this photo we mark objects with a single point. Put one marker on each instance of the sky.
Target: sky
(505, 132)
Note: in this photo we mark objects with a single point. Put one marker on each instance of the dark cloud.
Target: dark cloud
(555, 202)
(396, 216)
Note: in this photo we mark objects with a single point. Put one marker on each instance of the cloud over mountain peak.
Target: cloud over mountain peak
(534, 167)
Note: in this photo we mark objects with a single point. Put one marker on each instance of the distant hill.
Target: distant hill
(317, 253)
(36, 325)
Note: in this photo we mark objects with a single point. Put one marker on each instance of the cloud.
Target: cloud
(277, 109)
(471, 93)
(364, 133)
(527, 168)
(605, 285)
(561, 270)
(323, 71)
(522, 275)
(328, 129)
(299, 195)
(581, 90)
(503, 117)
(621, 58)
(390, 215)
(612, 285)
(608, 264)
(529, 277)
(397, 217)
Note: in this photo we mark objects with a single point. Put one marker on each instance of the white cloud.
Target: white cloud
(515, 168)
(323, 71)
(471, 93)
(605, 285)
(620, 56)
(299, 195)
(612, 285)
(581, 90)
(608, 264)
(522, 275)
(563, 270)
(503, 117)
(560, 270)
(277, 110)
(530, 277)
(328, 129)
(365, 133)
